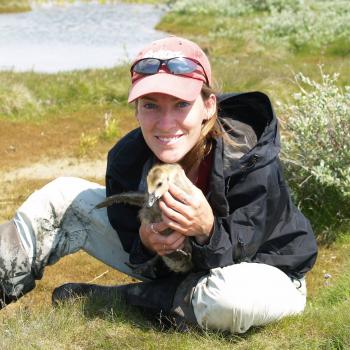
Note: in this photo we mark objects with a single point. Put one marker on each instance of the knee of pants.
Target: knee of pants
(52, 196)
(62, 190)
(240, 296)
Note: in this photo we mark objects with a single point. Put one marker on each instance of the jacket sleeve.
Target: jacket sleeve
(123, 175)
(265, 227)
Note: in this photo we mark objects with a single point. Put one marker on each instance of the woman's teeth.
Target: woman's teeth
(168, 139)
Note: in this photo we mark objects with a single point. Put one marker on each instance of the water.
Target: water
(63, 38)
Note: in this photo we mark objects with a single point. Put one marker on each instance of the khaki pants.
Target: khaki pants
(60, 219)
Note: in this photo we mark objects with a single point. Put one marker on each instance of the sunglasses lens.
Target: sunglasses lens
(147, 66)
(176, 65)
(181, 65)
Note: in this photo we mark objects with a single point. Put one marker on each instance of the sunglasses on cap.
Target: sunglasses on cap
(175, 65)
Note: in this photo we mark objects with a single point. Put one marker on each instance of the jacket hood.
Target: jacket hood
(255, 110)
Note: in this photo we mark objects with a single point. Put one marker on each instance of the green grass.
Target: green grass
(98, 324)
(31, 96)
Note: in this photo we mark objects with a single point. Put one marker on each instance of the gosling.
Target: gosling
(159, 179)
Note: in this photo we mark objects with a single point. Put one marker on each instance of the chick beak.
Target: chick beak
(152, 198)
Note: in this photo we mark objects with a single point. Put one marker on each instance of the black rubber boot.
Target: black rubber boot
(167, 299)
(71, 291)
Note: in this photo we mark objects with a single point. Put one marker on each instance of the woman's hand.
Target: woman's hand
(155, 241)
(188, 213)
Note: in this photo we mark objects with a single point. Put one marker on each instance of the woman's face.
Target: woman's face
(170, 126)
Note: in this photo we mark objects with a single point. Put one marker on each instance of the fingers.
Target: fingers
(175, 209)
(187, 213)
(157, 227)
(174, 203)
(156, 241)
(173, 219)
(184, 197)
(162, 244)
(167, 249)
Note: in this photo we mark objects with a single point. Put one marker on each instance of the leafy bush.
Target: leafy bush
(317, 151)
(232, 8)
(275, 5)
(227, 8)
(295, 24)
(319, 24)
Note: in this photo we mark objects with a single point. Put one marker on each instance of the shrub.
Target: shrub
(296, 24)
(316, 151)
(275, 5)
(226, 8)
(319, 24)
(232, 8)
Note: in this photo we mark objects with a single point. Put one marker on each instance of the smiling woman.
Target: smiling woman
(251, 247)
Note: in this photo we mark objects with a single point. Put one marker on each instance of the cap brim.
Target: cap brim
(184, 88)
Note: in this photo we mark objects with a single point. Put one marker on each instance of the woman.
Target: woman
(251, 247)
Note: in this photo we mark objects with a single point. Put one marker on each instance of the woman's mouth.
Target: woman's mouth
(169, 140)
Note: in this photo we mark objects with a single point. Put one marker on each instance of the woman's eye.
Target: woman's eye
(182, 104)
(149, 105)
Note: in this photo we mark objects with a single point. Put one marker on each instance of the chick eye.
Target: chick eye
(159, 184)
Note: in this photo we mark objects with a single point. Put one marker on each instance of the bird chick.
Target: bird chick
(158, 182)
(159, 179)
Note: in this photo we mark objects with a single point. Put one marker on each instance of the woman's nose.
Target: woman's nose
(166, 120)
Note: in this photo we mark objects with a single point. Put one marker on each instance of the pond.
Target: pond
(53, 38)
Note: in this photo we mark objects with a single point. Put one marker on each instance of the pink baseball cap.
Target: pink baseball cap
(185, 86)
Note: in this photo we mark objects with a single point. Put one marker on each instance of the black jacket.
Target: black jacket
(255, 219)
